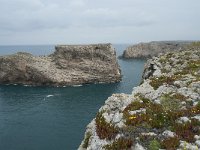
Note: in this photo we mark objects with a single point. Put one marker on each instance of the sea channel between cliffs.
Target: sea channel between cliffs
(55, 117)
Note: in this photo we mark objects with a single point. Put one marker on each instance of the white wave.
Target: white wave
(77, 85)
(49, 95)
(27, 85)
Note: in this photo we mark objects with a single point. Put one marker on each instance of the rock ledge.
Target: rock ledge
(148, 50)
(161, 113)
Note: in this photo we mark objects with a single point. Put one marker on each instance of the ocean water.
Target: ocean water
(49, 118)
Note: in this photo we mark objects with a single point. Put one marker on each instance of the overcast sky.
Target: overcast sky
(96, 21)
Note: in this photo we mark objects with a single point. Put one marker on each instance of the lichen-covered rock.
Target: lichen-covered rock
(68, 65)
(145, 50)
(161, 113)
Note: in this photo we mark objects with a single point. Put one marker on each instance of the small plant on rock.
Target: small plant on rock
(86, 141)
(154, 145)
(187, 131)
(120, 144)
(104, 129)
(156, 82)
(170, 143)
(170, 102)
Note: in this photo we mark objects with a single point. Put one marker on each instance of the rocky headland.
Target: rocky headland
(68, 65)
(161, 113)
(148, 50)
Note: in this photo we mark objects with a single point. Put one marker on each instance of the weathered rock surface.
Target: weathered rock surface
(146, 50)
(161, 113)
(68, 65)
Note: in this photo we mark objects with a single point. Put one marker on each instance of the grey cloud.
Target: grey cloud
(131, 19)
(31, 15)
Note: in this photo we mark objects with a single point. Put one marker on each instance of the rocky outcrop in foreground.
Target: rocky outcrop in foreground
(68, 65)
(161, 113)
(146, 50)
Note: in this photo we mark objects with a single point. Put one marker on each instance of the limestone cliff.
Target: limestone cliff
(68, 65)
(146, 50)
(161, 113)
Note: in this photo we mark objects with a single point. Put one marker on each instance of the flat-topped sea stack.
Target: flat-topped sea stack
(148, 50)
(68, 65)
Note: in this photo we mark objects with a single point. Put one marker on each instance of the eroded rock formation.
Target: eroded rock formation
(146, 50)
(161, 113)
(68, 65)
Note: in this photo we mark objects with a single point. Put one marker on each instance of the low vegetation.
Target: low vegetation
(86, 141)
(104, 129)
(154, 145)
(156, 82)
(170, 143)
(163, 118)
(119, 144)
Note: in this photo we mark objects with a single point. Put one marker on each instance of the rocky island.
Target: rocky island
(148, 50)
(161, 113)
(68, 65)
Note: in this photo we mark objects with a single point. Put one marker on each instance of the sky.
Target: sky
(97, 21)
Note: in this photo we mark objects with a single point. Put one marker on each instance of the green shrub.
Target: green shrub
(154, 145)
(170, 102)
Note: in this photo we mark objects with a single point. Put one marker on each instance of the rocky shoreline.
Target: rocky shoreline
(68, 65)
(148, 50)
(161, 113)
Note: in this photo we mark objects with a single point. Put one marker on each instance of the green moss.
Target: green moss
(104, 129)
(171, 102)
(119, 144)
(154, 145)
(85, 143)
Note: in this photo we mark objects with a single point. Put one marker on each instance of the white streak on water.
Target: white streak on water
(49, 96)
(77, 85)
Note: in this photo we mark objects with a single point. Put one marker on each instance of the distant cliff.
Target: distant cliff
(161, 113)
(146, 50)
(68, 65)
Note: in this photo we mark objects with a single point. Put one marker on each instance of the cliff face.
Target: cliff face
(161, 113)
(145, 50)
(68, 65)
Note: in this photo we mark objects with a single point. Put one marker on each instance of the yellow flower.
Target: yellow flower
(132, 117)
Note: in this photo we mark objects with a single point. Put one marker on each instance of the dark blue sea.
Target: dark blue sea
(50, 118)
